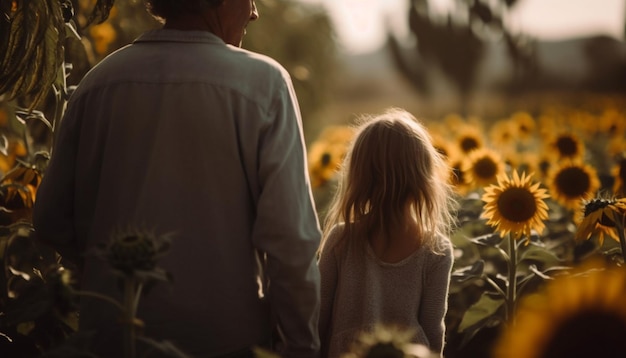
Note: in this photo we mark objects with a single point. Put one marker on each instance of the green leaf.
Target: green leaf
(537, 253)
(492, 239)
(487, 312)
(479, 313)
(468, 272)
(32, 50)
(465, 276)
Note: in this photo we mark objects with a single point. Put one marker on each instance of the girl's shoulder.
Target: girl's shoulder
(334, 235)
(441, 248)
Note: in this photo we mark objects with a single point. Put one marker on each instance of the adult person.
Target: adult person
(183, 131)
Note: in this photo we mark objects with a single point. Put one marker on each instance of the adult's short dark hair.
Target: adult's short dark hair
(166, 9)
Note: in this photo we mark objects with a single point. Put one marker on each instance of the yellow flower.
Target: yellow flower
(503, 134)
(530, 162)
(103, 36)
(571, 182)
(613, 123)
(469, 138)
(386, 341)
(599, 217)
(482, 167)
(443, 146)
(524, 125)
(577, 315)
(616, 146)
(457, 178)
(566, 146)
(515, 205)
(327, 153)
(453, 122)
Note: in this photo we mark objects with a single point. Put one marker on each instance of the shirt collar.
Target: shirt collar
(170, 35)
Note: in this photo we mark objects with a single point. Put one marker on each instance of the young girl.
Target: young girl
(385, 256)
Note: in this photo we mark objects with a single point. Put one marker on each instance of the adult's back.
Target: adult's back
(183, 133)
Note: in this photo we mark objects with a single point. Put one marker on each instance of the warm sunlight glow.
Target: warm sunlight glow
(361, 24)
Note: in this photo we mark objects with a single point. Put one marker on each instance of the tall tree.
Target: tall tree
(457, 42)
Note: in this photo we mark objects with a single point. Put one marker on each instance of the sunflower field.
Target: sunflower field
(538, 195)
(539, 244)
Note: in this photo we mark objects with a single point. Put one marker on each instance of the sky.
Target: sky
(360, 24)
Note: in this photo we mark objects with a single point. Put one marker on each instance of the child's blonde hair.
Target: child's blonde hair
(391, 164)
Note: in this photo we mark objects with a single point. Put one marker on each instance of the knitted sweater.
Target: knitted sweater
(359, 291)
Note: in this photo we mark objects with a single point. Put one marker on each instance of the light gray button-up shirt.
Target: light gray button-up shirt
(179, 132)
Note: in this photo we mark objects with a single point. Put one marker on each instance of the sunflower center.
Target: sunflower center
(587, 334)
(485, 168)
(517, 204)
(544, 166)
(567, 146)
(573, 182)
(622, 170)
(325, 159)
(468, 144)
(596, 204)
(524, 129)
(385, 350)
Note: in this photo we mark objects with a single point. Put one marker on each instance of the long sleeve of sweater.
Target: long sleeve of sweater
(435, 299)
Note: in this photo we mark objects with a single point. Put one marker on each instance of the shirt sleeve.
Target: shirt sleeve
(286, 227)
(53, 213)
(434, 302)
(329, 271)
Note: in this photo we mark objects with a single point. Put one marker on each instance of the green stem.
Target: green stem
(129, 317)
(512, 287)
(101, 297)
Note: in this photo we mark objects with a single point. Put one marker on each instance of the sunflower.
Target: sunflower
(134, 253)
(515, 205)
(453, 122)
(616, 146)
(598, 217)
(576, 315)
(103, 36)
(530, 162)
(585, 123)
(327, 153)
(482, 167)
(503, 134)
(443, 146)
(566, 145)
(547, 125)
(386, 341)
(572, 182)
(613, 123)
(524, 125)
(457, 178)
(469, 138)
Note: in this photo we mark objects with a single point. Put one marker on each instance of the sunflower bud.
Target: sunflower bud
(132, 252)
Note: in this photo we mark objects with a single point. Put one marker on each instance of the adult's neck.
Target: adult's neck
(187, 22)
